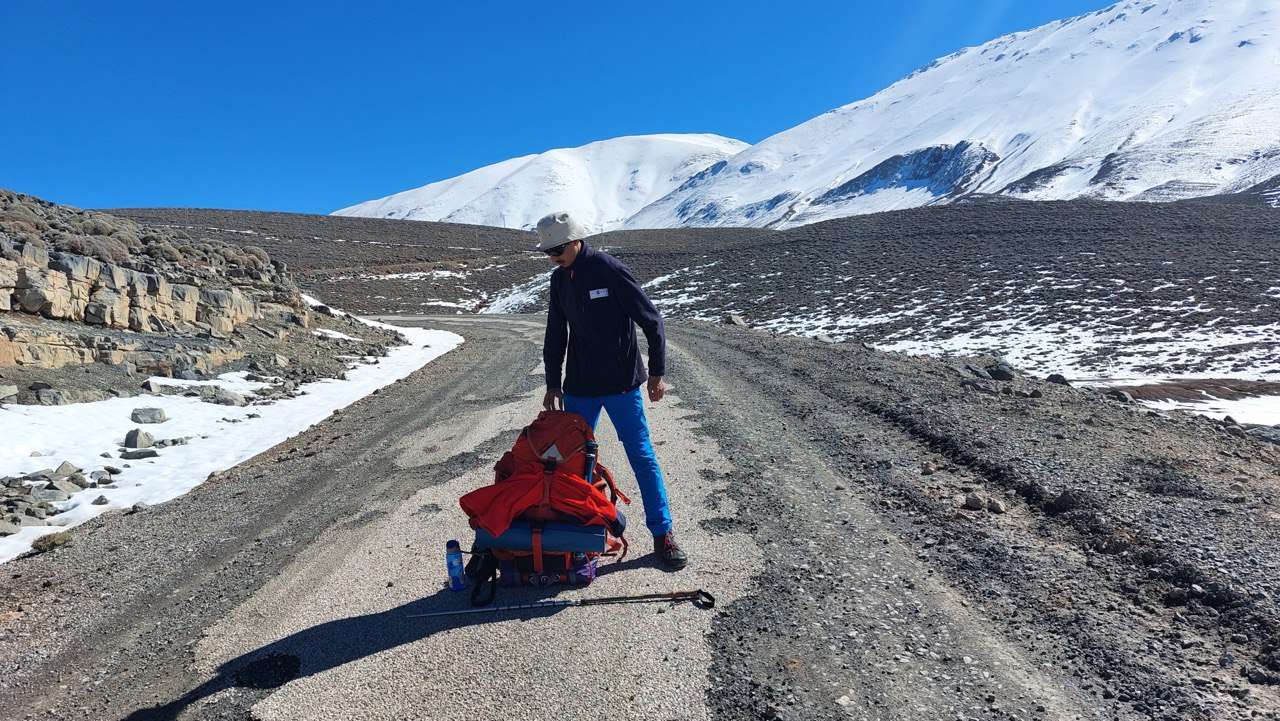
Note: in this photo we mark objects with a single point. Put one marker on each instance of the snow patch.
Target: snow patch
(36, 437)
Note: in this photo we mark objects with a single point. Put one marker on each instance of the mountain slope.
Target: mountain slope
(1144, 100)
(601, 183)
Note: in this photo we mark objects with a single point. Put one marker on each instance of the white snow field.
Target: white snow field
(1144, 100)
(601, 183)
(37, 437)
(1261, 410)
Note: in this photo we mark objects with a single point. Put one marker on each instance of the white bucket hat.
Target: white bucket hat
(558, 229)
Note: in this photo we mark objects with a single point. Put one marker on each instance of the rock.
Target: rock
(138, 507)
(927, 469)
(8, 529)
(112, 470)
(8, 392)
(979, 372)
(973, 502)
(1058, 379)
(100, 476)
(79, 480)
(21, 520)
(148, 415)
(978, 386)
(995, 506)
(49, 495)
(733, 319)
(139, 454)
(82, 395)
(221, 396)
(65, 469)
(138, 438)
(1236, 431)
(1001, 371)
(1035, 393)
(1068, 500)
(100, 501)
(65, 486)
(1119, 395)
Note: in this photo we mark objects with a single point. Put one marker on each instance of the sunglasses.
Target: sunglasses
(558, 250)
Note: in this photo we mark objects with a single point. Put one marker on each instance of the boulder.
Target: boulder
(113, 277)
(65, 469)
(185, 300)
(148, 415)
(35, 255)
(100, 501)
(221, 396)
(77, 267)
(65, 486)
(107, 307)
(8, 282)
(1001, 371)
(8, 392)
(1059, 379)
(45, 292)
(138, 438)
(730, 319)
(1119, 395)
(48, 495)
(8, 529)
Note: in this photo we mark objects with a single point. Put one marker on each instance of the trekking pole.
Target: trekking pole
(699, 598)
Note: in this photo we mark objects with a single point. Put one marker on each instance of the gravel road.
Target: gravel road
(1116, 564)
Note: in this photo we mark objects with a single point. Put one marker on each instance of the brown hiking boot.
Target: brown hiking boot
(673, 559)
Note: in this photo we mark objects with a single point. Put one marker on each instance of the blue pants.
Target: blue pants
(626, 410)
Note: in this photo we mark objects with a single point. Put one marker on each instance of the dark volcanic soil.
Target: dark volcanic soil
(1086, 288)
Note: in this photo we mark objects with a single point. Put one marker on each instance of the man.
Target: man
(595, 307)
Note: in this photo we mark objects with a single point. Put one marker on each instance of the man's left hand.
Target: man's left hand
(657, 388)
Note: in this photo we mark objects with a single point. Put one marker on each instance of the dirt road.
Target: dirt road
(820, 491)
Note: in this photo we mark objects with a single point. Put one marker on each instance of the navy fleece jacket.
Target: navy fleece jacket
(595, 307)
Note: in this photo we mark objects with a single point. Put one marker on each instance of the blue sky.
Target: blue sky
(311, 106)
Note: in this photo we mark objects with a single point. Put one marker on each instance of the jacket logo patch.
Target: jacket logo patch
(599, 293)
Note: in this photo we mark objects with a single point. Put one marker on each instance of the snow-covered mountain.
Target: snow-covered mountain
(1145, 100)
(601, 183)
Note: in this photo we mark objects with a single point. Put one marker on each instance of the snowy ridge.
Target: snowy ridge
(601, 183)
(1145, 100)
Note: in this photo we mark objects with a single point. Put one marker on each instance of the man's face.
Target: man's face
(564, 255)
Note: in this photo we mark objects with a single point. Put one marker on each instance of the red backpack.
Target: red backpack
(542, 522)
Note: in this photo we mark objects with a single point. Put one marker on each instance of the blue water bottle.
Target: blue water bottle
(453, 562)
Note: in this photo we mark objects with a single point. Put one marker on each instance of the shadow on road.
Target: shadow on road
(334, 643)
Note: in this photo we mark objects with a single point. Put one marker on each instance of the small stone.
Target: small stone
(995, 505)
(148, 415)
(1119, 395)
(732, 319)
(973, 502)
(1058, 379)
(139, 454)
(112, 469)
(100, 501)
(138, 507)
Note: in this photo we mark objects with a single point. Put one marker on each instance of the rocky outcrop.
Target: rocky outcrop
(23, 346)
(63, 264)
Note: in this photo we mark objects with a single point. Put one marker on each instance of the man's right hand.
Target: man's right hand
(553, 400)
